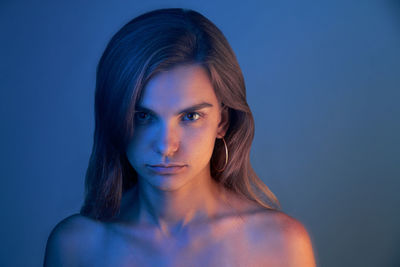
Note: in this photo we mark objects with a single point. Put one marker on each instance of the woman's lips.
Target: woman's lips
(159, 169)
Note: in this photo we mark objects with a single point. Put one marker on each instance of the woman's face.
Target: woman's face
(177, 121)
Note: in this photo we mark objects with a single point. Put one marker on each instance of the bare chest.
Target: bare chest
(195, 254)
(227, 245)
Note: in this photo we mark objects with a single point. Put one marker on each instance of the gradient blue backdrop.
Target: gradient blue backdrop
(322, 79)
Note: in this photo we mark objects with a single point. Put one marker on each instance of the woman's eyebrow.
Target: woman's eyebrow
(191, 108)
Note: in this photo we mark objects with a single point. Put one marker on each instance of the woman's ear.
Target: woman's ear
(224, 122)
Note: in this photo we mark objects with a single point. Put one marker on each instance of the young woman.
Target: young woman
(169, 181)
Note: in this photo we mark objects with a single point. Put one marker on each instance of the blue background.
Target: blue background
(323, 82)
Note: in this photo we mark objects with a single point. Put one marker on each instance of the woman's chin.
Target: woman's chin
(166, 182)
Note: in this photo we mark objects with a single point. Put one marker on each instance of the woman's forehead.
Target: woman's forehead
(178, 88)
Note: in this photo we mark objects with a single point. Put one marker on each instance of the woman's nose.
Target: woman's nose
(167, 142)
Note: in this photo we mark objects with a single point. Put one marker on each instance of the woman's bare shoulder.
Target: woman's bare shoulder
(71, 240)
(278, 220)
(288, 236)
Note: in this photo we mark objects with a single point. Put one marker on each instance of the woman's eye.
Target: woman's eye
(193, 116)
(142, 116)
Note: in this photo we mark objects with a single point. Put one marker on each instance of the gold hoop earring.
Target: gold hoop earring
(226, 156)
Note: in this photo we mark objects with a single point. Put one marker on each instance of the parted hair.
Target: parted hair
(153, 42)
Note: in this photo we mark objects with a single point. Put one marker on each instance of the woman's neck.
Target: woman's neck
(170, 212)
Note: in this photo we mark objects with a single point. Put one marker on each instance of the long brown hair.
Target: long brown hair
(150, 43)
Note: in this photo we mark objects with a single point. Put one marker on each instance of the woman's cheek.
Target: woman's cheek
(199, 138)
(142, 133)
(200, 131)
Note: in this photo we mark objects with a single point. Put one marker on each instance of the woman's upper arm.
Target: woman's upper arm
(67, 243)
